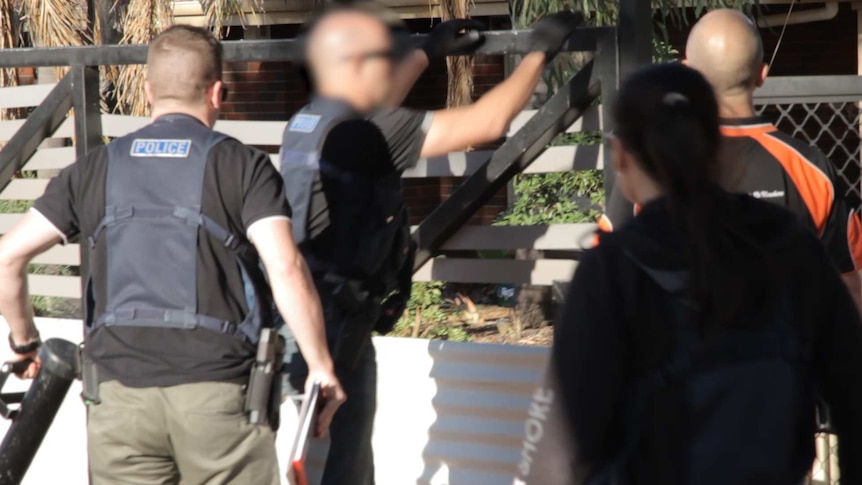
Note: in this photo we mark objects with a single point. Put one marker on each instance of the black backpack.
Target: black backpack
(749, 392)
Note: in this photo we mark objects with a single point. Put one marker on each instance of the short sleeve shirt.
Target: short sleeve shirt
(389, 141)
(758, 159)
(241, 187)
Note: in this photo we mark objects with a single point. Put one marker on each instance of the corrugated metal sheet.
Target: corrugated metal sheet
(451, 413)
(448, 414)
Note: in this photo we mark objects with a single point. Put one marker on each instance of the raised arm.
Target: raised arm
(489, 118)
(299, 304)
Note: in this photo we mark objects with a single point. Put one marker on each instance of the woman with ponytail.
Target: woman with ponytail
(698, 339)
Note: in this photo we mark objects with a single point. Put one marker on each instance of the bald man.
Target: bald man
(725, 46)
(342, 158)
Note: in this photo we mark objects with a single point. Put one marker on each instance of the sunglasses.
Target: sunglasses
(224, 93)
(385, 54)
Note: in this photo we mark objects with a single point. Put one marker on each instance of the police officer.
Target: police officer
(342, 158)
(175, 220)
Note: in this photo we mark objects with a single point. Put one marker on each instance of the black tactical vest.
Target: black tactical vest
(365, 215)
(150, 234)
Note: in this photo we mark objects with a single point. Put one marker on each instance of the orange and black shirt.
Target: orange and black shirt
(758, 159)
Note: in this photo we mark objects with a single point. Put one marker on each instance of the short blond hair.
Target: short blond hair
(182, 63)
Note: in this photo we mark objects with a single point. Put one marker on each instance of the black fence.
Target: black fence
(617, 51)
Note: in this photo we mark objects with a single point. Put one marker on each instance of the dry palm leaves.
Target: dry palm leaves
(140, 22)
(219, 12)
(8, 40)
(55, 23)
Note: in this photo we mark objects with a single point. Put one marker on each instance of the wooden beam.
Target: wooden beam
(543, 272)
(559, 237)
(24, 96)
(24, 189)
(50, 285)
(10, 127)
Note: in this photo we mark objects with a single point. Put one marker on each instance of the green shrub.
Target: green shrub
(426, 299)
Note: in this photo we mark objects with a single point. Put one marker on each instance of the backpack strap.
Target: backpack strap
(673, 282)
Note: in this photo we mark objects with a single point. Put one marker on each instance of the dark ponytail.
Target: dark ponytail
(667, 116)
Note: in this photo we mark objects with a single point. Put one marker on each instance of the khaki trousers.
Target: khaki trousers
(192, 434)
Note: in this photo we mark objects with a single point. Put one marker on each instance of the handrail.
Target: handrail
(40, 124)
(274, 50)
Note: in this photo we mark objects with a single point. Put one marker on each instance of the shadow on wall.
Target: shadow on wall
(466, 421)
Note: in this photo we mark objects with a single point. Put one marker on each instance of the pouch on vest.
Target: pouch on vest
(748, 392)
(397, 280)
(148, 239)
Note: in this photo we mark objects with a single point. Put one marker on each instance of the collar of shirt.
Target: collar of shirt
(744, 122)
(323, 104)
(174, 117)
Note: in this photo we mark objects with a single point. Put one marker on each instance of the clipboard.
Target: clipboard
(307, 420)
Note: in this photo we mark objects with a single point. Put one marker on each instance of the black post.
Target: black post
(38, 409)
(635, 35)
(107, 32)
(634, 48)
(607, 65)
(85, 97)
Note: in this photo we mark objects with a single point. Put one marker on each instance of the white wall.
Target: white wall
(448, 413)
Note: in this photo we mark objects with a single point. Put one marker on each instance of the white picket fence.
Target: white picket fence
(448, 413)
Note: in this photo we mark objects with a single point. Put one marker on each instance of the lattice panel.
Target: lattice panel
(825, 470)
(831, 127)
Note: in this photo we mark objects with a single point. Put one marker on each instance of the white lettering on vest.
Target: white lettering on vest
(304, 123)
(161, 148)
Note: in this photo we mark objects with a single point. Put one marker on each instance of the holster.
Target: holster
(89, 378)
(357, 313)
(263, 394)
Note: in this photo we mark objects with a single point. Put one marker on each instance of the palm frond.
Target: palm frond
(8, 40)
(140, 22)
(56, 23)
(219, 12)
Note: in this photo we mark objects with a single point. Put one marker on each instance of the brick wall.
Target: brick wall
(269, 91)
(424, 195)
(26, 75)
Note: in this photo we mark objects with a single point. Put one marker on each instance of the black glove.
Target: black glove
(447, 38)
(549, 33)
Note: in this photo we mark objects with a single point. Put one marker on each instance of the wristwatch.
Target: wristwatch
(27, 348)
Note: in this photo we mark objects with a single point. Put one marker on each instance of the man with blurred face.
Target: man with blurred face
(342, 158)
